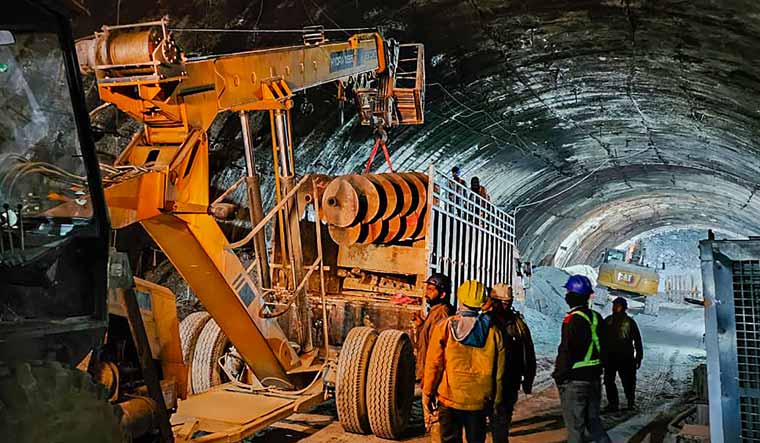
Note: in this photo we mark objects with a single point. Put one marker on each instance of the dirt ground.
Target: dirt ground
(673, 347)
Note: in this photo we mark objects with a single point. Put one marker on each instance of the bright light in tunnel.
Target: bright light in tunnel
(567, 250)
(674, 253)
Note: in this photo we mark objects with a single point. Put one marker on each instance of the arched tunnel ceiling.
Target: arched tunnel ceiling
(596, 120)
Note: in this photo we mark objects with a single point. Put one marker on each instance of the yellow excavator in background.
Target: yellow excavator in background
(623, 273)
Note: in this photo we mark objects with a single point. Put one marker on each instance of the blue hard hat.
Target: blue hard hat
(580, 284)
(440, 281)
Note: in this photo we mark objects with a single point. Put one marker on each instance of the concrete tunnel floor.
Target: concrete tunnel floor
(673, 347)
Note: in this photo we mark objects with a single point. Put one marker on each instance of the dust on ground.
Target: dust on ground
(673, 346)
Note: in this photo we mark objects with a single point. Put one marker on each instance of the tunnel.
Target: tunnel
(594, 121)
(593, 125)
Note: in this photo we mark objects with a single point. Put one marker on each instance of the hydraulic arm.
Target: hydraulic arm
(161, 179)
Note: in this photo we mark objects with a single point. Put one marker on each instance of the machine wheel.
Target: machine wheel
(189, 330)
(391, 392)
(44, 401)
(205, 370)
(351, 386)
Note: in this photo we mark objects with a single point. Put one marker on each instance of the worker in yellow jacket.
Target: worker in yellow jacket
(464, 368)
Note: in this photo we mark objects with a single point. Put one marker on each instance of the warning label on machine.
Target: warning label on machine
(349, 58)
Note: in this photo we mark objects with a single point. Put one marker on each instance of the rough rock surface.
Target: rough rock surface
(610, 117)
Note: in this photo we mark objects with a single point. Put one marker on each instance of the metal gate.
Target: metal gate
(731, 279)
(470, 238)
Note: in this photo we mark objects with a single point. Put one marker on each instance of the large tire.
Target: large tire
(391, 391)
(351, 386)
(189, 330)
(48, 402)
(205, 370)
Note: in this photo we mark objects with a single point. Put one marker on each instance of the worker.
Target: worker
(437, 293)
(520, 354)
(455, 177)
(455, 196)
(624, 355)
(464, 370)
(578, 368)
(479, 189)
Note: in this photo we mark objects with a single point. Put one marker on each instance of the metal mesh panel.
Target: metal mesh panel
(746, 285)
(750, 419)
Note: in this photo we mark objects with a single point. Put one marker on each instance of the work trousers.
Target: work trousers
(501, 420)
(580, 409)
(453, 421)
(627, 370)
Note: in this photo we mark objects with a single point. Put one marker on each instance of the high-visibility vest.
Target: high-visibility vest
(587, 360)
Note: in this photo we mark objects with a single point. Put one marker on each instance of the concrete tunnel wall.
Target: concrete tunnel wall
(596, 120)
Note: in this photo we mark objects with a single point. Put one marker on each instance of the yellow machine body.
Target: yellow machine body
(161, 181)
(634, 279)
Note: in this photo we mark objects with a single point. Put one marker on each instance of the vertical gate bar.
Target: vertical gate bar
(429, 209)
(491, 256)
(482, 252)
(481, 255)
(454, 253)
(461, 251)
(442, 246)
(476, 251)
(510, 261)
(502, 254)
(505, 266)
(468, 251)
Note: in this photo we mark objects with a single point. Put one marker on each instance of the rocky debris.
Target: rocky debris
(546, 293)
(679, 251)
(544, 308)
(588, 271)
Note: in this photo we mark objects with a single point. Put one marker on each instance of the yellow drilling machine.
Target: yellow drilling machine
(90, 352)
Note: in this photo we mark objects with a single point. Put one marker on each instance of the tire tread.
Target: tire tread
(209, 348)
(351, 389)
(389, 415)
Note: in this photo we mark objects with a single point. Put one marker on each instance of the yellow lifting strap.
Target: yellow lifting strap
(587, 361)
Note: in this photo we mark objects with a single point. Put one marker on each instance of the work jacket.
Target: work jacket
(481, 191)
(574, 361)
(461, 376)
(623, 339)
(438, 313)
(520, 352)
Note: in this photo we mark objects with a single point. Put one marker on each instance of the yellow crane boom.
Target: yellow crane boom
(161, 179)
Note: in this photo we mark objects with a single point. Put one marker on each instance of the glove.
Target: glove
(490, 406)
(417, 319)
(638, 364)
(527, 387)
(428, 404)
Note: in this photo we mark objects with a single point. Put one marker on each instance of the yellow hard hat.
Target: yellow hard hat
(472, 293)
(501, 291)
